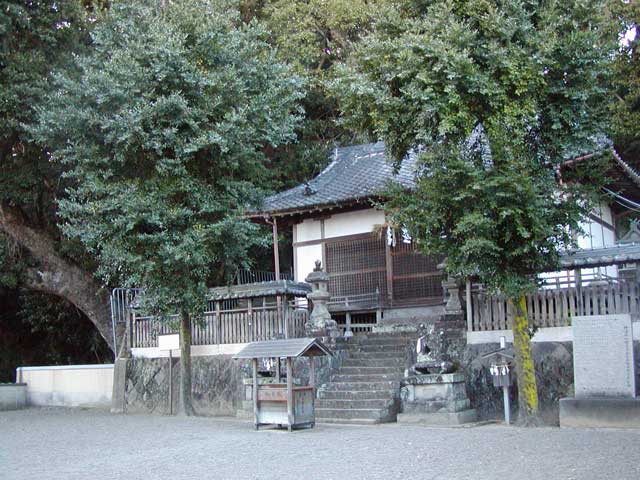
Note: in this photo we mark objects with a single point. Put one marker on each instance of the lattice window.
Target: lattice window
(415, 276)
(356, 267)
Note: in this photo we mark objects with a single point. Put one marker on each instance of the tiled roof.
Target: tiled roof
(355, 173)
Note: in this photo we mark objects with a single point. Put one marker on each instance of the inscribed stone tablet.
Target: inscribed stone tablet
(603, 356)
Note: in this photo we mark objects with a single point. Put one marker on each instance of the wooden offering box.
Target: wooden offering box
(272, 405)
(284, 404)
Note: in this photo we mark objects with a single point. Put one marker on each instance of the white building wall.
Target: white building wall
(305, 260)
(337, 225)
(595, 235)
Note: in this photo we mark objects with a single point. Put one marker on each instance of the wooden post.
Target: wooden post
(469, 309)
(252, 323)
(254, 361)
(389, 266)
(277, 369)
(218, 324)
(276, 253)
(312, 371)
(290, 392)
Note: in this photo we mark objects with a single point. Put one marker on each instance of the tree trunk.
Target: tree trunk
(58, 276)
(525, 370)
(186, 397)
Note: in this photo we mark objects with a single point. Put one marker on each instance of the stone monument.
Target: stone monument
(604, 374)
(320, 323)
(433, 393)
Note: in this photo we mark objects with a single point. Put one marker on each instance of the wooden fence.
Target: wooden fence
(226, 326)
(556, 307)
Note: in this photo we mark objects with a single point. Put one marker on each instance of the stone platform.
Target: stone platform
(13, 396)
(600, 412)
(435, 399)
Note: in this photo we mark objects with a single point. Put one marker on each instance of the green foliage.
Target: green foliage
(495, 95)
(35, 36)
(163, 130)
(625, 106)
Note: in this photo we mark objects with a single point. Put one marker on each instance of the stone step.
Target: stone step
(375, 355)
(348, 378)
(382, 385)
(352, 413)
(356, 394)
(382, 340)
(335, 403)
(374, 362)
(377, 348)
(371, 370)
(349, 421)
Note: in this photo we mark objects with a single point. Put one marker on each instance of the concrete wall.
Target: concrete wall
(68, 386)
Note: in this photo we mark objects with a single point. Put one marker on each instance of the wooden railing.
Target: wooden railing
(227, 326)
(556, 307)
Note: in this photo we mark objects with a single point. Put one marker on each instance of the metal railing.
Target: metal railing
(244, 277)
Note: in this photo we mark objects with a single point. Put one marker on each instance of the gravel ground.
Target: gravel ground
(69, 444)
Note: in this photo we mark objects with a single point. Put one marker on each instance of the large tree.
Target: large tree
(162, 127)
(493, 96)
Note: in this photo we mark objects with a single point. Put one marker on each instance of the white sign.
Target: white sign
(169, 341)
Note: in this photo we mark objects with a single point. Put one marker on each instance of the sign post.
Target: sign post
(169, 342)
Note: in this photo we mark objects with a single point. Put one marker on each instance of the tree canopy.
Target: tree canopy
(162, 131)
(493, 96)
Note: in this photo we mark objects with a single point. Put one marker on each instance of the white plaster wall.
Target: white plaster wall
(306, 257)
(309, 229)
(338, 225)
(350, 223)
(68, 386)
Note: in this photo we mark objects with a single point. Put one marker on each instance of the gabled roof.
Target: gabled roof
(260, 289)
(355, 174)
(292, 347)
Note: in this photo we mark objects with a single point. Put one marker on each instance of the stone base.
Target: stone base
(600, 412)
(438, 419)
(13, 396)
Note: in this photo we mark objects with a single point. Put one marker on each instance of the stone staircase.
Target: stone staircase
(366, 388)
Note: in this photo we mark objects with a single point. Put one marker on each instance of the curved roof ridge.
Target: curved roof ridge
(356, 173)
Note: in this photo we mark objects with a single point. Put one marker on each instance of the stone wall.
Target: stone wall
(554, 377)
(217, 385)
(217, 382)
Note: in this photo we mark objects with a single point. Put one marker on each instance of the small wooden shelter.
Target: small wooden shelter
(279, 403)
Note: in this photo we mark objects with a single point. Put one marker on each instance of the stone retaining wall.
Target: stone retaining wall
(217, 382)
(554, 377)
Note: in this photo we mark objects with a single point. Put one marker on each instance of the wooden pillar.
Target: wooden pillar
(312, 371)
(255, 392)
(389, 265)
(218, 324)
(469, 308)
(277, 369)
(290, 392)
(252, 323)
(276, 253)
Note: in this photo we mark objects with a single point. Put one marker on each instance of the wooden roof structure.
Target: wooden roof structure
(289, 348)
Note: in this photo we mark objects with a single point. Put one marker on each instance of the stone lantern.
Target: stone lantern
(320, 323)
